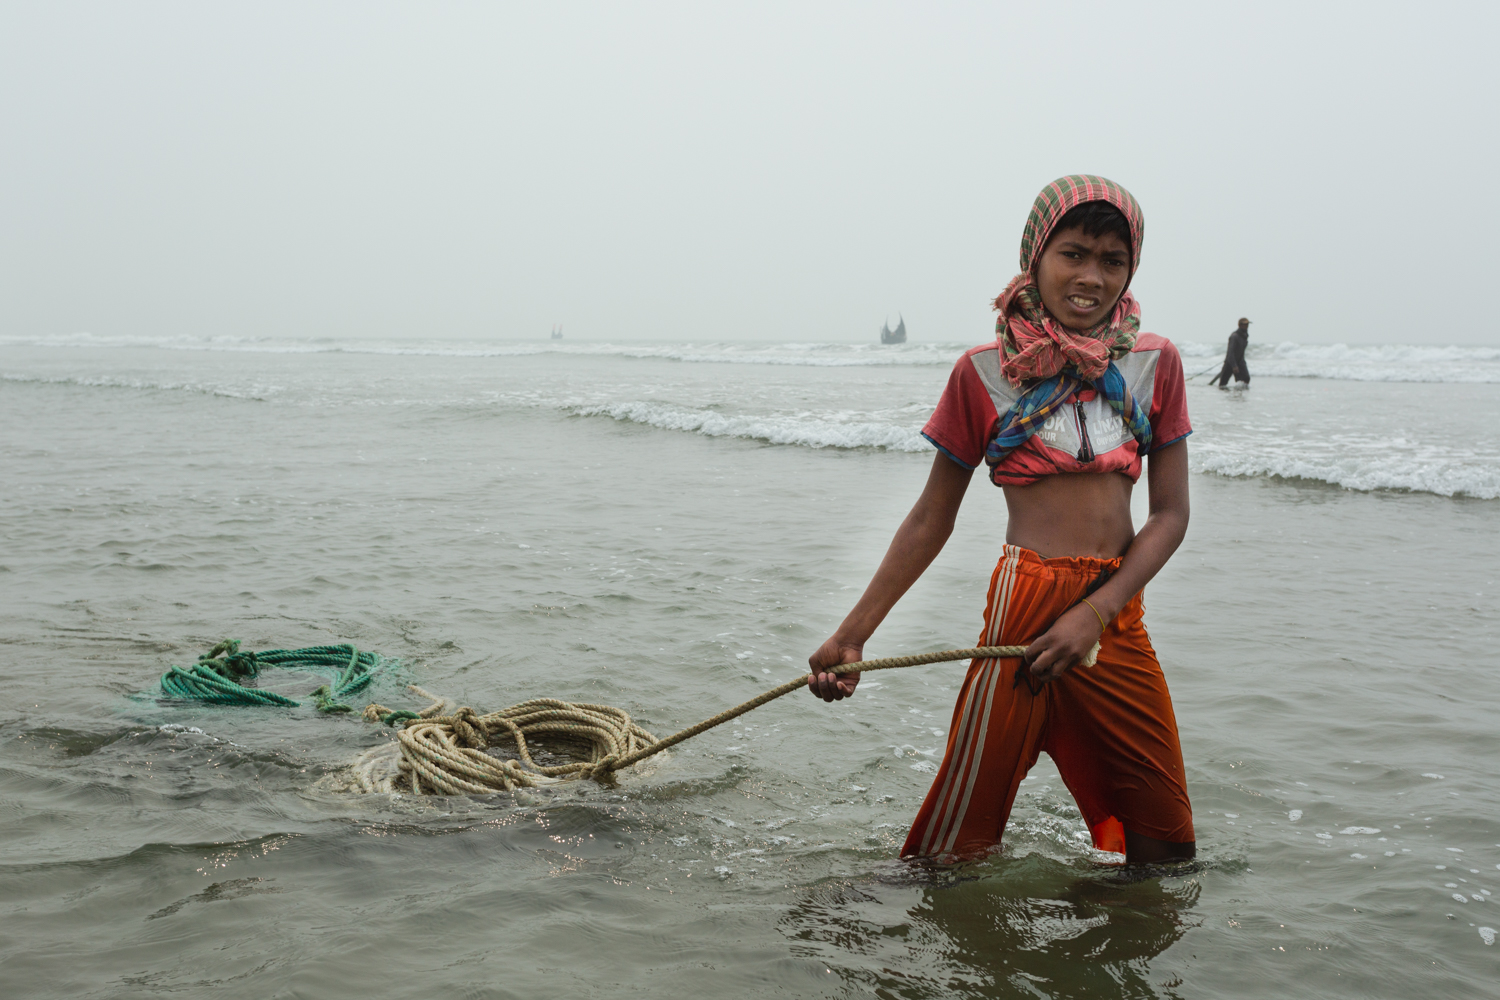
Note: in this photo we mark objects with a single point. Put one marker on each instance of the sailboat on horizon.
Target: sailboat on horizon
(896, 336)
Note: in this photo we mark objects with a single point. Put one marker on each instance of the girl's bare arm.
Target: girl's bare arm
(918, 541)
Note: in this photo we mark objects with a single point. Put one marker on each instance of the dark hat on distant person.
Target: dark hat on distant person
(1244, 321)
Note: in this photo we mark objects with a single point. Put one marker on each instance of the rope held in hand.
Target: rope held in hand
(443, 750)
(886, 663)
(445, 754)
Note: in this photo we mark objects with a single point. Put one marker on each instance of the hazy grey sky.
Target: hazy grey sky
(706, 171)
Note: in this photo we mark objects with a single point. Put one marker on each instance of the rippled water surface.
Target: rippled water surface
(503, 527)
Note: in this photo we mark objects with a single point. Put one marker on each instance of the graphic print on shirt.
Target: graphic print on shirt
(1086, 426)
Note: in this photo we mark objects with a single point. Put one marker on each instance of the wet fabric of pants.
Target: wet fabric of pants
(1109, 728)
(1238, 369)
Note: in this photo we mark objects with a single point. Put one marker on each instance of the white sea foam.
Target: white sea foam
(822, 430)
(252, 391)
(1383, 465)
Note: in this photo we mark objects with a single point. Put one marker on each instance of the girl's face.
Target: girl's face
(1081, 277)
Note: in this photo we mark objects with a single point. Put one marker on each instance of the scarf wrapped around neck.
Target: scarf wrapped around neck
(1048, 360)
(1036, 346)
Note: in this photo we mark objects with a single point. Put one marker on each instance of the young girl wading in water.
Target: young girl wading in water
(1063, 408)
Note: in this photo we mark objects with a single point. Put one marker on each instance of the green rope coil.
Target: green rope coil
(220, 676)
(394, 718)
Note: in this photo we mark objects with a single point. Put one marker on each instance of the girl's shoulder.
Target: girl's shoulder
(1152, 361)
(1147, 342)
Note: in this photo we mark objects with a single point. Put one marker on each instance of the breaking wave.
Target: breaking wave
(255, 391)
(834, 429)
(1446, 472)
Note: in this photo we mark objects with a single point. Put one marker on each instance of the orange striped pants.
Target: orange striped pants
(1109, 728)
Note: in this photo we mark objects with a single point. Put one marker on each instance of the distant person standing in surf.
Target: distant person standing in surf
(1234, 356)
(1067, 406)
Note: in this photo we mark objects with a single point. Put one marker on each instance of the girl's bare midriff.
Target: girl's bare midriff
(1082, 514)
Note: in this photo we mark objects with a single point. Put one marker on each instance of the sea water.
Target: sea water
(672, 528)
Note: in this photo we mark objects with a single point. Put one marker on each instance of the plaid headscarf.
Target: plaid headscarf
(1048, 359)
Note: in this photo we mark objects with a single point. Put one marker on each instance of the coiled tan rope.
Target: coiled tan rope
(443, 750)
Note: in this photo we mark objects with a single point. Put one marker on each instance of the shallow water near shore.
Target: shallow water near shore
(670, 534)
